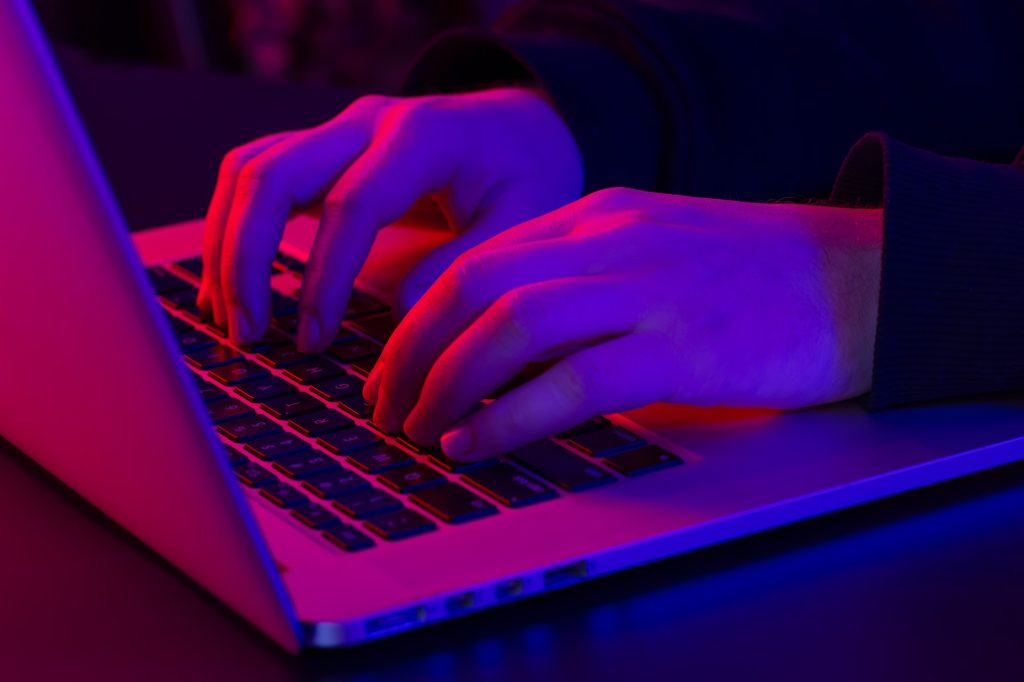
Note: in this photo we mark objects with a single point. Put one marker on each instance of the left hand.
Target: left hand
(640, 298)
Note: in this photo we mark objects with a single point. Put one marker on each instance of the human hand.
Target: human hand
(490, 159)
(641, 298)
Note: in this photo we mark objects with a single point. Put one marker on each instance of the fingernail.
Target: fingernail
(238, 324)
(309, 333)
(458, 442)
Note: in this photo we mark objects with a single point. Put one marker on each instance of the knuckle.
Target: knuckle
(372, 102)
(608, 199)
(233, 161)
(515, 311)
(573, 381)
(263, 170)
(463, 277)
(411, 113)
(343, 200)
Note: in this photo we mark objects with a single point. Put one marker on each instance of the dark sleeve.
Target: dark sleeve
(752, 99)
(951, 308)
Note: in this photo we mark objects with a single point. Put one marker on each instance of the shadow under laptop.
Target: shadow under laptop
(857, 593)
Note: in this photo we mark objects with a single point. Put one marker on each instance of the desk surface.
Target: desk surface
(926, 586)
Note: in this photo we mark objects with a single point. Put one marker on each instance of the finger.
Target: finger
(524, 325)
(410, 156)
(464, 291)
(620, 374)
(507, 206)
(415, 284)
(289, 174)
(210, 300)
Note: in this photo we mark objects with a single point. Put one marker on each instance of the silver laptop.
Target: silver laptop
(258, 474)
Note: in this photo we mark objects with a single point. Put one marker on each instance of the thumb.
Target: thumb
(507, 209)
(425, 273)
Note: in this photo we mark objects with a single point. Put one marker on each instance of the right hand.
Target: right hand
(490, 159)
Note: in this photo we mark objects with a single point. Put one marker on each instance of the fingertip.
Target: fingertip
(459, 443)
(240, 328)
(310, 335)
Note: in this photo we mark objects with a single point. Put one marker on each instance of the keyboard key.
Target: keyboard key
(283, 356)
(264, 389)
(316, 517)
(452, 503)
(306, 464)
(378, 327)
(353, 350)
(348, 538)
(509, 485)
(235, 457)
(287, 323)
(290, 263)
(442, 461)
(277, 446)
(193, 265)
(349, 440)
(366, 503)
(292, 405)
(178, 326)
(317, 423)
(642, 460)
(193, 339)
(380, 459)
(604, 442)
(587, 426)
(416, 447)
(214, 356)
(225, 410)
(210, 393)
(219, 332)
(271, 339)
(238, 372)
(284, 496)
(313, 371)
(338, 387)
(411, 478)
(335, 483)
(356, 406)
(180, 299)
(253, 475)
(363, 366)
(248, 428)
(281, 304)
(400, 524)
(164, 281)
(361, 304)
(193, 313)
(566, 470)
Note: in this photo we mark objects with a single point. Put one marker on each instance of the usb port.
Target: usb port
(565, 575)
(399, 620)
(508, 589)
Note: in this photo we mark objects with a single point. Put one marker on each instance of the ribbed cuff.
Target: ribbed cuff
(605, 104)
(951, 307)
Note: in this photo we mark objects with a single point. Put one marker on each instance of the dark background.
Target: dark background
(926, 586)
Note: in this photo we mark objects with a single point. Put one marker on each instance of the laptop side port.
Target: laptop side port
(508, 589)
(393, 622)
(460, 603)
(566, 575)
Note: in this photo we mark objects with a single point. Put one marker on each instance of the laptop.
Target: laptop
(257, 473)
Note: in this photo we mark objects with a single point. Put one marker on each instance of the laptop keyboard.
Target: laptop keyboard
(297, 430)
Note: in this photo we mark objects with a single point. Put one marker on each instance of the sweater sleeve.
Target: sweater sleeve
(951, 308)
(752, 99)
